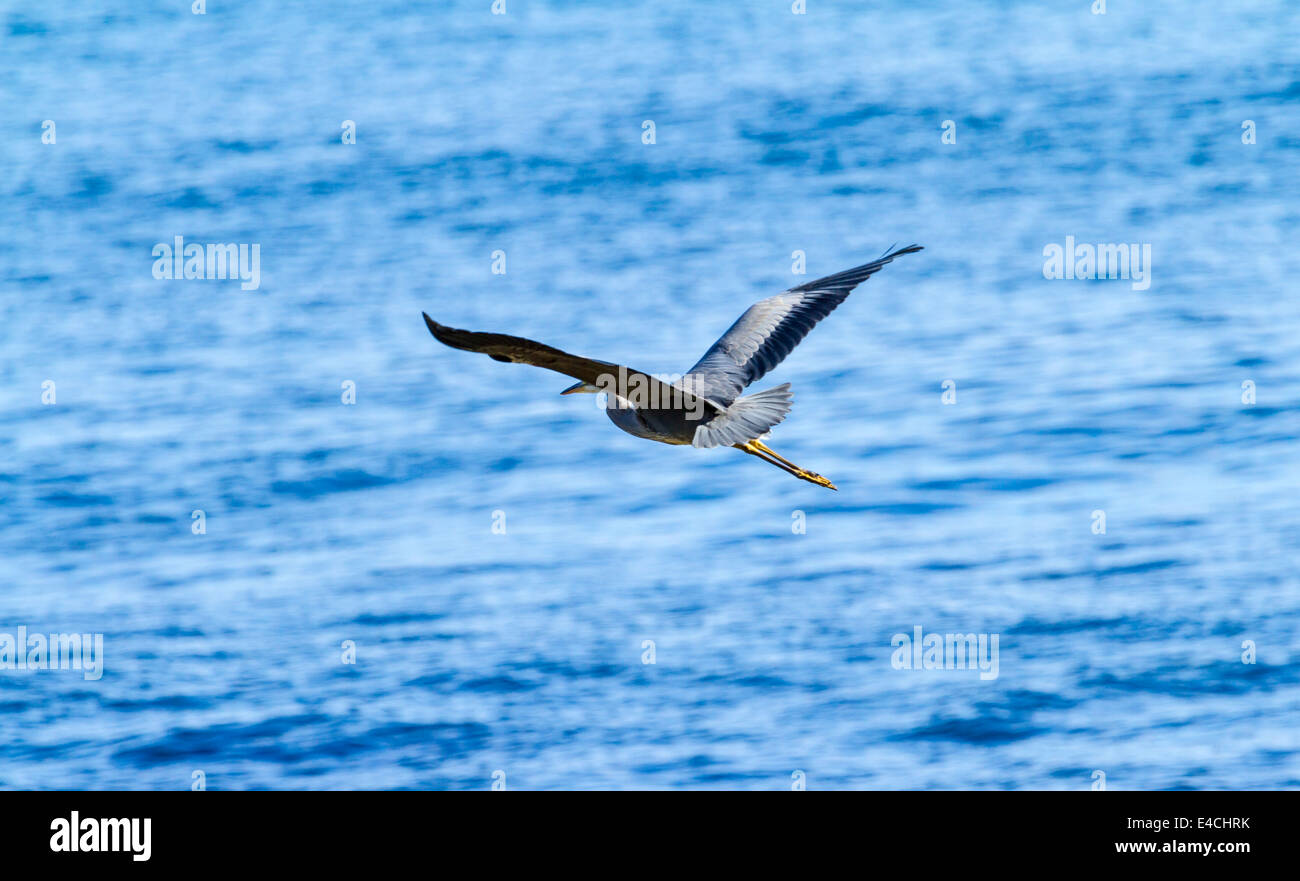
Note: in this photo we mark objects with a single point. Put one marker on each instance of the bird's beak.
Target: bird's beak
(575, 388)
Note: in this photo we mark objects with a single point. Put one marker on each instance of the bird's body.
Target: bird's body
(665, 426)
(705, 407)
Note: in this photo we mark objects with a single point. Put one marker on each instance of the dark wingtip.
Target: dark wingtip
(449, 336)
(910, 249)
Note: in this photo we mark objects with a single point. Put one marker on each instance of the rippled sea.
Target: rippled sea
(504, 560)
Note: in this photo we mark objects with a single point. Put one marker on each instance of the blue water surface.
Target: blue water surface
(504, 560)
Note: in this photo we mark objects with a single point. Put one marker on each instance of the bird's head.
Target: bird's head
(581, 388)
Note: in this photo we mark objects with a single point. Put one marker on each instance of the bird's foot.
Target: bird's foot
(817, 479)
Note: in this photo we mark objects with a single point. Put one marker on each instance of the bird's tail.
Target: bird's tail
(747, 417)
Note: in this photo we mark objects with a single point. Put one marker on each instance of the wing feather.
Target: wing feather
(770, 329)
(519, 350)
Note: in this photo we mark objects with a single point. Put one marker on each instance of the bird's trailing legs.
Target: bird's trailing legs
(759, 449)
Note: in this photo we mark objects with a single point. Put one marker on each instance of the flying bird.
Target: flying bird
(705, 408)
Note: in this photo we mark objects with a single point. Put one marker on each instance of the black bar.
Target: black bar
(328, 830)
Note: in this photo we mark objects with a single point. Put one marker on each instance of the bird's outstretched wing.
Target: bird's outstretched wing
(515, 349)
(770, 329)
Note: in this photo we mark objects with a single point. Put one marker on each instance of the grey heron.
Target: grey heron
(705, 407)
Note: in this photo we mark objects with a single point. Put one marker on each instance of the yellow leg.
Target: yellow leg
(759, 449)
